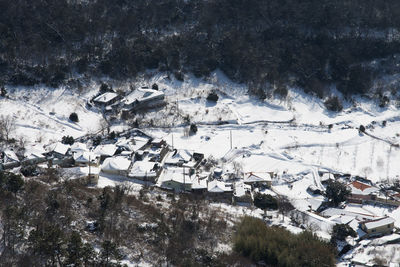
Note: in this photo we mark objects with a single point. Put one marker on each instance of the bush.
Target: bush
(154, 86)
(212, 96)
(263, 201)
(29, 170)
(68, 140)
(333, 104)
(193, 128)
(74, 117)
(362, 128)
(341, 231)
(278, 247)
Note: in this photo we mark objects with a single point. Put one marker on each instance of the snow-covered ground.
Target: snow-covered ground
(289, 137)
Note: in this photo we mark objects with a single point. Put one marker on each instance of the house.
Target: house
(143, 98)
(106, 99)
(242, 193)
(9, 159)
(89, 174)
(58, 150)
(377, 227)
(176, 181)
(199, 185)
(105, 151)
(78, 147)
(219, 190)
(258, 179)
(178, 157)
(145, 170)
(362, 191)
(86, 158)
(34, 155)
(116, 165)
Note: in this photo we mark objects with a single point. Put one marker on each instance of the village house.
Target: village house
(220, 191)
(34, 155)
(86, 158)
(362, 192)
(143, 99)
(258, 179)
(199, 184)
(377, 227)
(242, 193)
(145, 170)
(178, 157)
(176, 179)
(89, 174)
(58, 150)
(105, 151)
(9, 159)
(116, 166)
(106, 99)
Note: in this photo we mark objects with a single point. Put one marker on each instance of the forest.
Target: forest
(268, 45)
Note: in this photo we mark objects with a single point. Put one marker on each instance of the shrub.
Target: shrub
(154, 86)
(333, 104)
(29, 170)
(362, 128)
(68, 140)
(179, 76)
(193, 128)
(341, 231)
(212, 96)
(264, 201)
(74, 117)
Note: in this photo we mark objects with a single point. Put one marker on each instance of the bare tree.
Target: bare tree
(7, 127)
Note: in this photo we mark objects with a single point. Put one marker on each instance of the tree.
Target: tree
(7, 127)
(109, 252)
(74, 117)
(193, 128)
(14, 183)
(337, 192)
(212, 97)
(284, 205)
(333, 104)
(265, 201)
(341, 231)
(68, 140)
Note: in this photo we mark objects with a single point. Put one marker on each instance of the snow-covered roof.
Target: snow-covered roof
(85, 157)
(142, 168)
(59, 148)
(199, 183)
(218, 187)
(106, 97)
(181, 155)
(105, 150)
(142, 95)
(241, 188)
(179, 175)
(360, 188)
(78, 147)
(379, 223)
(252, 177)
(9, 156)
(358, 215)
(34, 152)
(116, 164)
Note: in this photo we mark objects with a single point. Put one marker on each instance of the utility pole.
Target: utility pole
(172, 140)
(230, 134)
(184, 178)
(89, 168)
